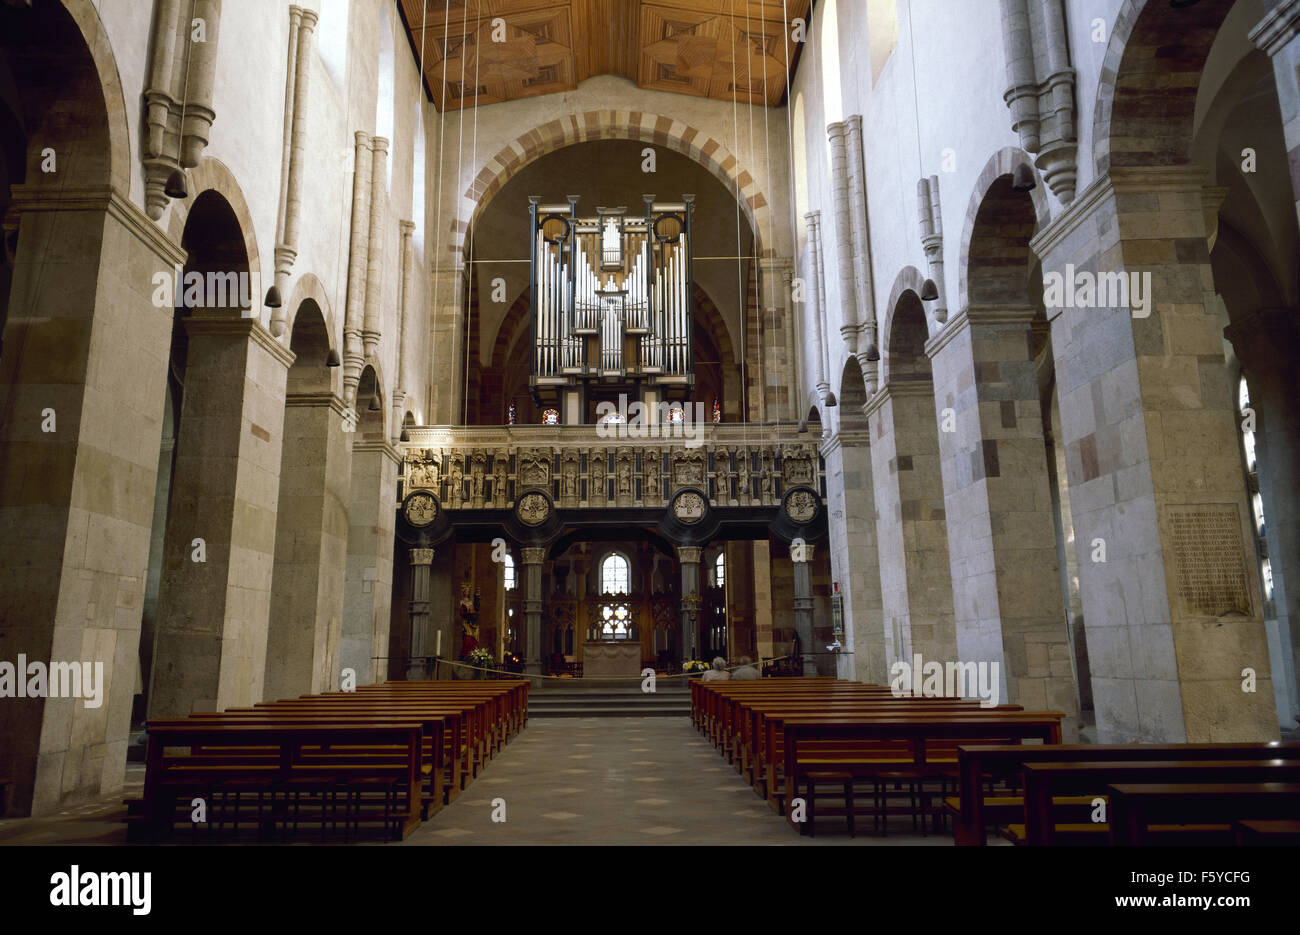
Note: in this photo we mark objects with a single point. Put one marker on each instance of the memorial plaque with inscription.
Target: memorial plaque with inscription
(1209, 569)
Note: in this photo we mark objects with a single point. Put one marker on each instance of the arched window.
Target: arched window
(384, 106)
(615, 617)
(614, 574)
(417, 180)
(829, 47)
(332, 38)
(1252, 484)
(800, 164)
(720, 571)
(508, 567)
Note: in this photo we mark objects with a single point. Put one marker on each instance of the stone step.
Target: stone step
(603, 711)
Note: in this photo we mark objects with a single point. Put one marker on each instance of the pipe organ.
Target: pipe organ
(610, 296)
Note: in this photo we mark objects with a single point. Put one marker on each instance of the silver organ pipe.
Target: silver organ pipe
(602, 280)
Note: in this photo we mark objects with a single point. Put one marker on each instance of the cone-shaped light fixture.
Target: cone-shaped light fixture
(405, 436)
(830, 398)
(803, 427)
(175, 185)
(374, 403)
(273, 297)
(873, 352)
(332, 359)
(929, 291)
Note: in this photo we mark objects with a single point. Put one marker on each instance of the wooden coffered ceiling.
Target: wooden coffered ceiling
(707, 48)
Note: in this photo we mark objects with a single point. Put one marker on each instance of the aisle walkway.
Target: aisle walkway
(623, 781)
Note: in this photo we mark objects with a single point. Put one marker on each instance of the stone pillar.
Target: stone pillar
(801, 556)
(533, 558)
(1172, 606)
(915, 583)
(864, 292)
(417, 666)
(762, 565)
(1267, 345)
(689, 558)
(445, 347)
(370, 334)
(1279, 35)
(855, 562)
(815, 302)
(213, 614)
(781, 371)
(82, 387)
(1001, 531)
(354, 356)
(368, 585)
(841, 195)
(311, 549)
(406, 330)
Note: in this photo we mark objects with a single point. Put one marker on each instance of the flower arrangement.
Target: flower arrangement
(481, 658)
(693, 666)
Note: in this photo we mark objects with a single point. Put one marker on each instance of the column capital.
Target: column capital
(984, 315)
(1265, 338)
(534, 555)
(249, 329)
(689, 554)
(422, 556)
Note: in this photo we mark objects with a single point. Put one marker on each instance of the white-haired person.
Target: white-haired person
(718, 672)
(746, 670)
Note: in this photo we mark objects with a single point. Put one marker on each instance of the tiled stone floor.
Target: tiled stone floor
(638, 781)
(621, 781)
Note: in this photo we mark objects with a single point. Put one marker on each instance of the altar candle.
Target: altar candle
(438, 650)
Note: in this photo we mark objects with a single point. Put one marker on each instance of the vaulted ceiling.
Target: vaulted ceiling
(722, 49)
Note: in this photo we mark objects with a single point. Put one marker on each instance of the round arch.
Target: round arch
(309, 287)
(1146, 99)
(372, 424)
(853, 395)
(211, 174)
(611, 125)
(1001, 165)
(908, 280)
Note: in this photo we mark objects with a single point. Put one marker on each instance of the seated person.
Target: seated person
(718, 672)
(746, 670)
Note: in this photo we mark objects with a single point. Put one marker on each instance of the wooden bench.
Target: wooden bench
(1042, 781)
(978, 765)
(433, 748)
(1136, 807)
(249, 765)
(1269, 833)
(856, 743)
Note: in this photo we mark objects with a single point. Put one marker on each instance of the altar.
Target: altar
(602, 659)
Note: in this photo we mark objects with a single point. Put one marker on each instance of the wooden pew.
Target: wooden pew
(1135, 807)
(291, 743)
(755, 753)
(433, 726)
(865, 734)
(1255, 833)
(978, 764)
(1044, 780)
